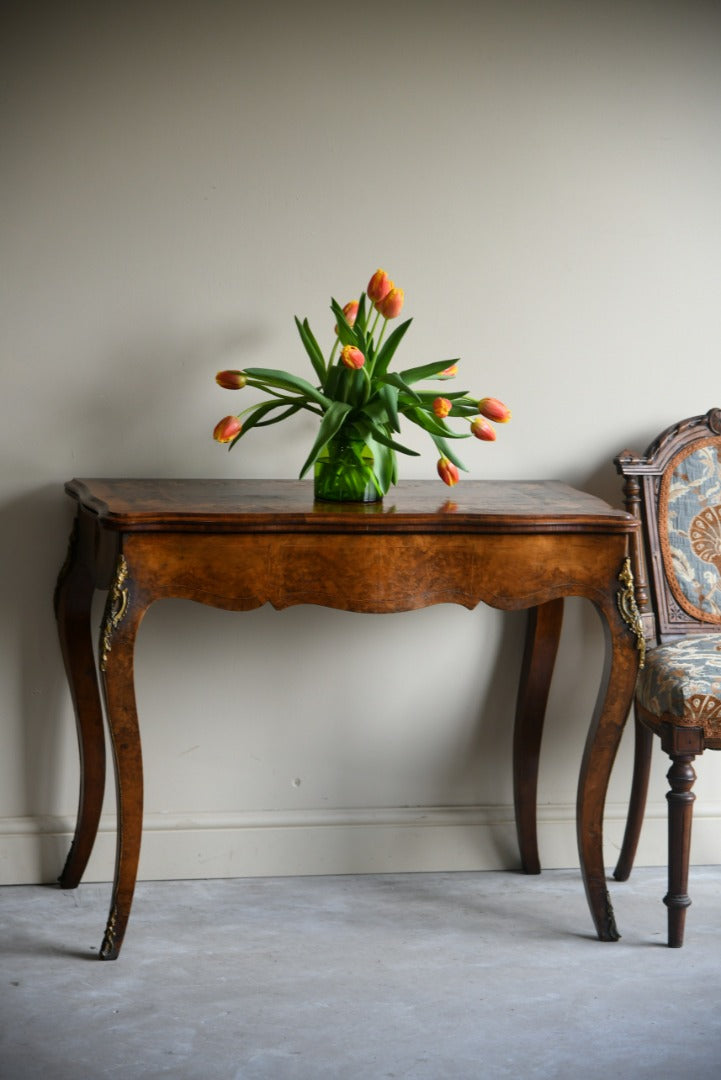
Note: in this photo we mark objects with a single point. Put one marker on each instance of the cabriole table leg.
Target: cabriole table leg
(604, 735)
(542, 637)
(73, 600)
(123, 615)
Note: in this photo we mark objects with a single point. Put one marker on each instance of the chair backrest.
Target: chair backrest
(675, 491)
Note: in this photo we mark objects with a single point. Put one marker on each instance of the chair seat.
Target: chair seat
(682, 679)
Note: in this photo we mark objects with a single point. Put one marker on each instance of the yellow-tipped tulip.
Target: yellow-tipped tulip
(379, 286)
(495, 410)
(391, 304)
(442, 407)
(447, 471)
(352, 357)
(227, 429)
(351, 313)
(483, 430)
(449, 372)
(231, 380)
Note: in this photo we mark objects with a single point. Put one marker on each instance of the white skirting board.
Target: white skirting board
(278, 843)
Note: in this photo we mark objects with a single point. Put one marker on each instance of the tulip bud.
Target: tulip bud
(379, 286)
(351, 313)
(391, 304)
(449, 372)
(352, 357)
(441, 407)
(447, 471)
(493, 409)
(231, 380)
(227, 429)
(483, 430)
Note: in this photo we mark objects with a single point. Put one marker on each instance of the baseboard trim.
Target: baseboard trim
(307, 842)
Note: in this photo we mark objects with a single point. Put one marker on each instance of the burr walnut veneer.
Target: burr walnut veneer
(241, 544)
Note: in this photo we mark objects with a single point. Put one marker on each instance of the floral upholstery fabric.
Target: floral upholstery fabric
(683, 679)
(690, 530)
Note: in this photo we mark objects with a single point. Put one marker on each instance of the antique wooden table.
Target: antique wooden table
(241, 544)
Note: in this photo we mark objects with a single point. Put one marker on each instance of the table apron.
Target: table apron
(375, 574)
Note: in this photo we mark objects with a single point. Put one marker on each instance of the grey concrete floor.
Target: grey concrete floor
(420, 976)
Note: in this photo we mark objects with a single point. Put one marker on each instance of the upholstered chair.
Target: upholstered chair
(675, 491)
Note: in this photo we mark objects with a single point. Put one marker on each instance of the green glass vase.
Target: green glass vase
(344, 471)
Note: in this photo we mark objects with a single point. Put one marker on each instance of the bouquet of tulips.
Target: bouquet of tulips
(358, 398)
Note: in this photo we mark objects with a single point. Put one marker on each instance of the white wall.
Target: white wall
(180, 179)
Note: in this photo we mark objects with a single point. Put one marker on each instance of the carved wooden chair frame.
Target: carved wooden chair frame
(667, 616)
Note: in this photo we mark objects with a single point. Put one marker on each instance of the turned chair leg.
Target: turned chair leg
(681, 777)
(637, 804)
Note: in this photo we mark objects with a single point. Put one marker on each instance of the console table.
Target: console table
(240, 544)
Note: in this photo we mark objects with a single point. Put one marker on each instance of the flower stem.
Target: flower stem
(380, 336)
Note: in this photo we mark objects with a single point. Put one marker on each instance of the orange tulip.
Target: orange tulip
(493, 409)
(351, 313)
(391, 304)
(441, 407)
(231, 380)
(483, 430)
(227, 429)
(352, 357)
(449, 372)
(447, 471)
(379, 286)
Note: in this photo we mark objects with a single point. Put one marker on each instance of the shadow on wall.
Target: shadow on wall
(34, 531)
(604, 481)
(491, 737)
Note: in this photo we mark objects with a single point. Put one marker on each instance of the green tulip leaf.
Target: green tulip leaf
(281, 416)
(346, 333)
(311, 347)
(329, 425)
(381, 437)
(464, 408)
(445, 451)
(458, 397)
(361, 319)
(285, 381)
(432, 424)
(255, 418)
(426, 371)
(360, 388)
(388, 396)
(331, 383)
(389, 347)
(462, 405)
(375, 411)
(394, 379)
(344, 383)
(384, 464)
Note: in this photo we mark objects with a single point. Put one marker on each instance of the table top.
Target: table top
(475, 506)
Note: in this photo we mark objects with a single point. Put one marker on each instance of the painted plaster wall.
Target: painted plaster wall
(180, 179)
